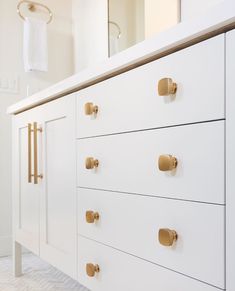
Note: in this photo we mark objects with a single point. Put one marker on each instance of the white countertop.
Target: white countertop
(218, 19)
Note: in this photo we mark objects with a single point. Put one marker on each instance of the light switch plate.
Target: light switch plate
(9, 83)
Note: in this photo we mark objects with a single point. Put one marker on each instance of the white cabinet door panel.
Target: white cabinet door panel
(26, 196)
(45, 213)
(58, 202)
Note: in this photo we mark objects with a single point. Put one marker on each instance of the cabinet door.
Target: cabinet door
(58, 200)
(26, 193)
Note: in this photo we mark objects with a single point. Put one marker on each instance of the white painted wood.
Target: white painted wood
(54, 198)
(218, 17)
(129, 162)
(125, 272)
(230, 160)
(17, 259)
(199, 250)
(58, 200)
(130, 101)
(25, 195)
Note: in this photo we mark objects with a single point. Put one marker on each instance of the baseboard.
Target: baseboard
(5, 246)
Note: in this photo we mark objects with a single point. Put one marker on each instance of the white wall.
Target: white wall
(194, 8)
(90, 21)
(160, 15)
(60, 66)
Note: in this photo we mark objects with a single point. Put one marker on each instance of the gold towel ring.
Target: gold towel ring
(32, 7)
(118, 28)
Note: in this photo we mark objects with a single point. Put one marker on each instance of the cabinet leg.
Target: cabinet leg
(17, 259)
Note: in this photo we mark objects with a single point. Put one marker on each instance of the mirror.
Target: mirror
(132, 21)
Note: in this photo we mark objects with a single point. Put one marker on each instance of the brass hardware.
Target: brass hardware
(29, 153)
(32, 6)
(167, 163)
(91, 163)
(92, 216)
(117, 27)
(166, 87)
(92, 269)
(35, 138)
(91, 109)
(167, 236)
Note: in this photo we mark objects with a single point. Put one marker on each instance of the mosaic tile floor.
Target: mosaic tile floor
(38, 276)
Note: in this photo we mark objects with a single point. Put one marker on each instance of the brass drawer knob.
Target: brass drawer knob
(90, 108)
(167, 237)
(167, 163)
(92, 216)
(91, 163)
(92, 269)
(166, 87)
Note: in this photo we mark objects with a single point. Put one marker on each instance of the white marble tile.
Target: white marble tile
(38, 276)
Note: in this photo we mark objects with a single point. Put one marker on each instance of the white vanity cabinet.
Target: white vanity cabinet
(137, 186)
(45, 206)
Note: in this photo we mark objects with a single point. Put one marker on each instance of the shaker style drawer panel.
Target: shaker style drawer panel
(131, 101)
(187, 237)
(175, 162)
(110, 269)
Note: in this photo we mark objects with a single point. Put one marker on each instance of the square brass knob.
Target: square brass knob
(92, 216)
(167, 163)
(92, 269)
(90, 108)
(91, 163)
(167, 237)
(166, 87)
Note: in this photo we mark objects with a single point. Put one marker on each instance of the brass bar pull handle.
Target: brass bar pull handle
(29, 153)
(35, 141)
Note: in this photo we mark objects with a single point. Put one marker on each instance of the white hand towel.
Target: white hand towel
(113, 45)
(35, 49)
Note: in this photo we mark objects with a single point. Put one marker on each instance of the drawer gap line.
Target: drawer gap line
(152, 196)
(152, 128)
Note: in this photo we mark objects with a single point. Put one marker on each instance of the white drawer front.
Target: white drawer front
(130, 101)
(122, 272)
(131, 223)
(129, 162)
